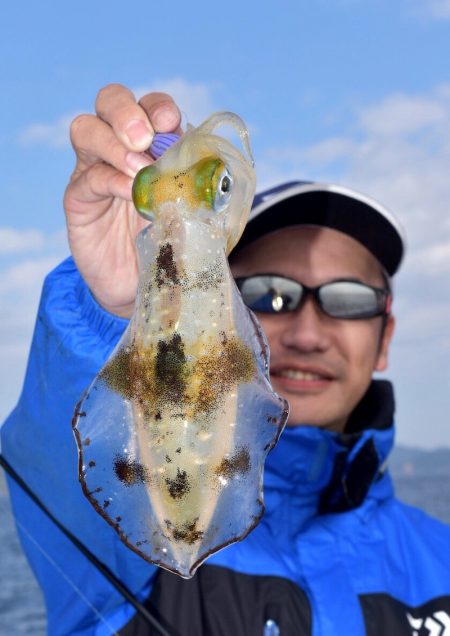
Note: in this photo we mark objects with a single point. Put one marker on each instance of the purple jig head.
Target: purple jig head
(160, 143)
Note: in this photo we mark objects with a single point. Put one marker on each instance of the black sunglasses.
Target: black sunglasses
(345, 299)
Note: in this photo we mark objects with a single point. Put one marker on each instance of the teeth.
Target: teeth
(299, 375)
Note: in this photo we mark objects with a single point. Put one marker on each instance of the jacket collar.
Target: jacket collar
(334, 471)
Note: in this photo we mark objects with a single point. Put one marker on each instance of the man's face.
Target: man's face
(321, 365)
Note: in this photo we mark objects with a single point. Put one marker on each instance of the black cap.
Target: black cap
(332, 206)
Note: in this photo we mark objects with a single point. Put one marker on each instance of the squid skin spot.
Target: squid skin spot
(178, 450)
(179, 486)
(82, 414)
(168, 460)
(106, 503)
(91, 464)
(130, 472)
(211, 278)
(222, 367)
(118, 519)
(187, 533)
(158, 416)
(166, 266)
(130, 373)
(86, 442)
(171, 370)
(239, 463)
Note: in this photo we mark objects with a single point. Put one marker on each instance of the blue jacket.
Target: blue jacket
(360, 561)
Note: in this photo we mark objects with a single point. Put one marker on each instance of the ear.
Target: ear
(386, 337)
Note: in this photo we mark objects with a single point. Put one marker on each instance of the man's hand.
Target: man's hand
(101, 219)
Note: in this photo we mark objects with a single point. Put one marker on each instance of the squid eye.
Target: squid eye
(223, 190)
(213, 183)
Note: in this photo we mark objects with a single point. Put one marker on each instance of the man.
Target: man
(335, 553)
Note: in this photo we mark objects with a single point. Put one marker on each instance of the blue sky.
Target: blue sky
(352, 91)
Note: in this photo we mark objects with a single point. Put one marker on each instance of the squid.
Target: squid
(174, 430)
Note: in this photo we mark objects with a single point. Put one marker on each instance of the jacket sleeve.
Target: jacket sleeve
(73, 337)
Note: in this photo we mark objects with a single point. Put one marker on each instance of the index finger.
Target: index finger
(163, 113)
(135, 124)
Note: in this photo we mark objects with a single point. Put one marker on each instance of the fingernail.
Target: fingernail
(136, 161)
(138, 133)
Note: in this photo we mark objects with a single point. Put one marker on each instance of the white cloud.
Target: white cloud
(402, 114)
(428, 9)
(55, 134)
(438, 8)
(319, 154)
(14, 241)
(26, 275)
(435, 258)
(28, 256)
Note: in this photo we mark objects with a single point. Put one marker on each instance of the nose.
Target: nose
(306, 329)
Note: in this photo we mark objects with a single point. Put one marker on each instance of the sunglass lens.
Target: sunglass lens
(270, 294)
(346, 299)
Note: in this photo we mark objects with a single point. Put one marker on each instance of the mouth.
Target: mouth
(301, 380)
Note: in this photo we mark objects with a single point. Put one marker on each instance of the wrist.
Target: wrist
(122, 311)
